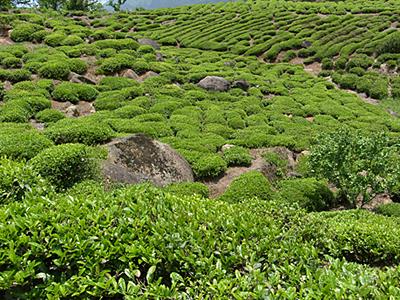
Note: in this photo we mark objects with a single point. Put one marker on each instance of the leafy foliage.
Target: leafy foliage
(358, 164)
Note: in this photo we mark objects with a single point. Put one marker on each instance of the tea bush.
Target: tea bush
(390, 209)
(187, 189)
(237, 156)
(55, 70)
(49, 116)
(18, 181)
(252, 184)
(23, 32)
(208, 166)
(74, 92)
(22, 144)
(85, 131)
(66, 165)
(308, 193)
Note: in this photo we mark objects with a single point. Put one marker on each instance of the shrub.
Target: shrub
(54, 39)
(85, 131)
(117, 83)
(18, 181)
(237, 156)
(73, 92)
(77, 65)
(115, 64)
(49, 116)
(389, 209)
(208, 166)
(11, 62)
(278, 162)
(249, 185)
(356, 163)
(391, 44)
(356, 235)
(188, 189)
(23, 144)
(65, 165)
(117, 44)
(24, 32)
(55, 70)
(72, 40)
(308, 193)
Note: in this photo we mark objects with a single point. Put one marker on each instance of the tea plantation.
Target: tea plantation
(294, 147)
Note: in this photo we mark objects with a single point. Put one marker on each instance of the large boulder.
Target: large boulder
(138, 158)
(214, 83)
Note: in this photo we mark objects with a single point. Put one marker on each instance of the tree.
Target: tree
(116, 4)
(8, 4)
(359, 165)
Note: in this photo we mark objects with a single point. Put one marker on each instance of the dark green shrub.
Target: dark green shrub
(65, 165)
(237, 156)
(249, 185)
(390, 209)
(115, 64)
(208, 166)
(391, 44)
(55, 70)
(308, 193)
(18, 181)
(187, 189)
(49, 116)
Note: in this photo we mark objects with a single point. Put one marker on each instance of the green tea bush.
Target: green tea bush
(187, 189)
(55, 70)
(77, 65)
(117, 83)
(115, 64)
(22, 144)
(11, 62)
(252, 184)
(15, 75)
(208, 166)
(23, 32)
(55, 39)
(72, 40)
(85, 131)
(356, 235)
(66, 165)
(237, 156)
(73, 92)
(390, 209)
(308, 193)
(117, 44)
(18, 181)
(49, 116)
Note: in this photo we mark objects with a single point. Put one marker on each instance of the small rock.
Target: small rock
(214, 83)
(77, 78)
(226, 147)
(150, 42)
(138, 158)
(306, 44)
(130, 74)
(159, 56)
(147, 75)
(241, 84)
(72, 111)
